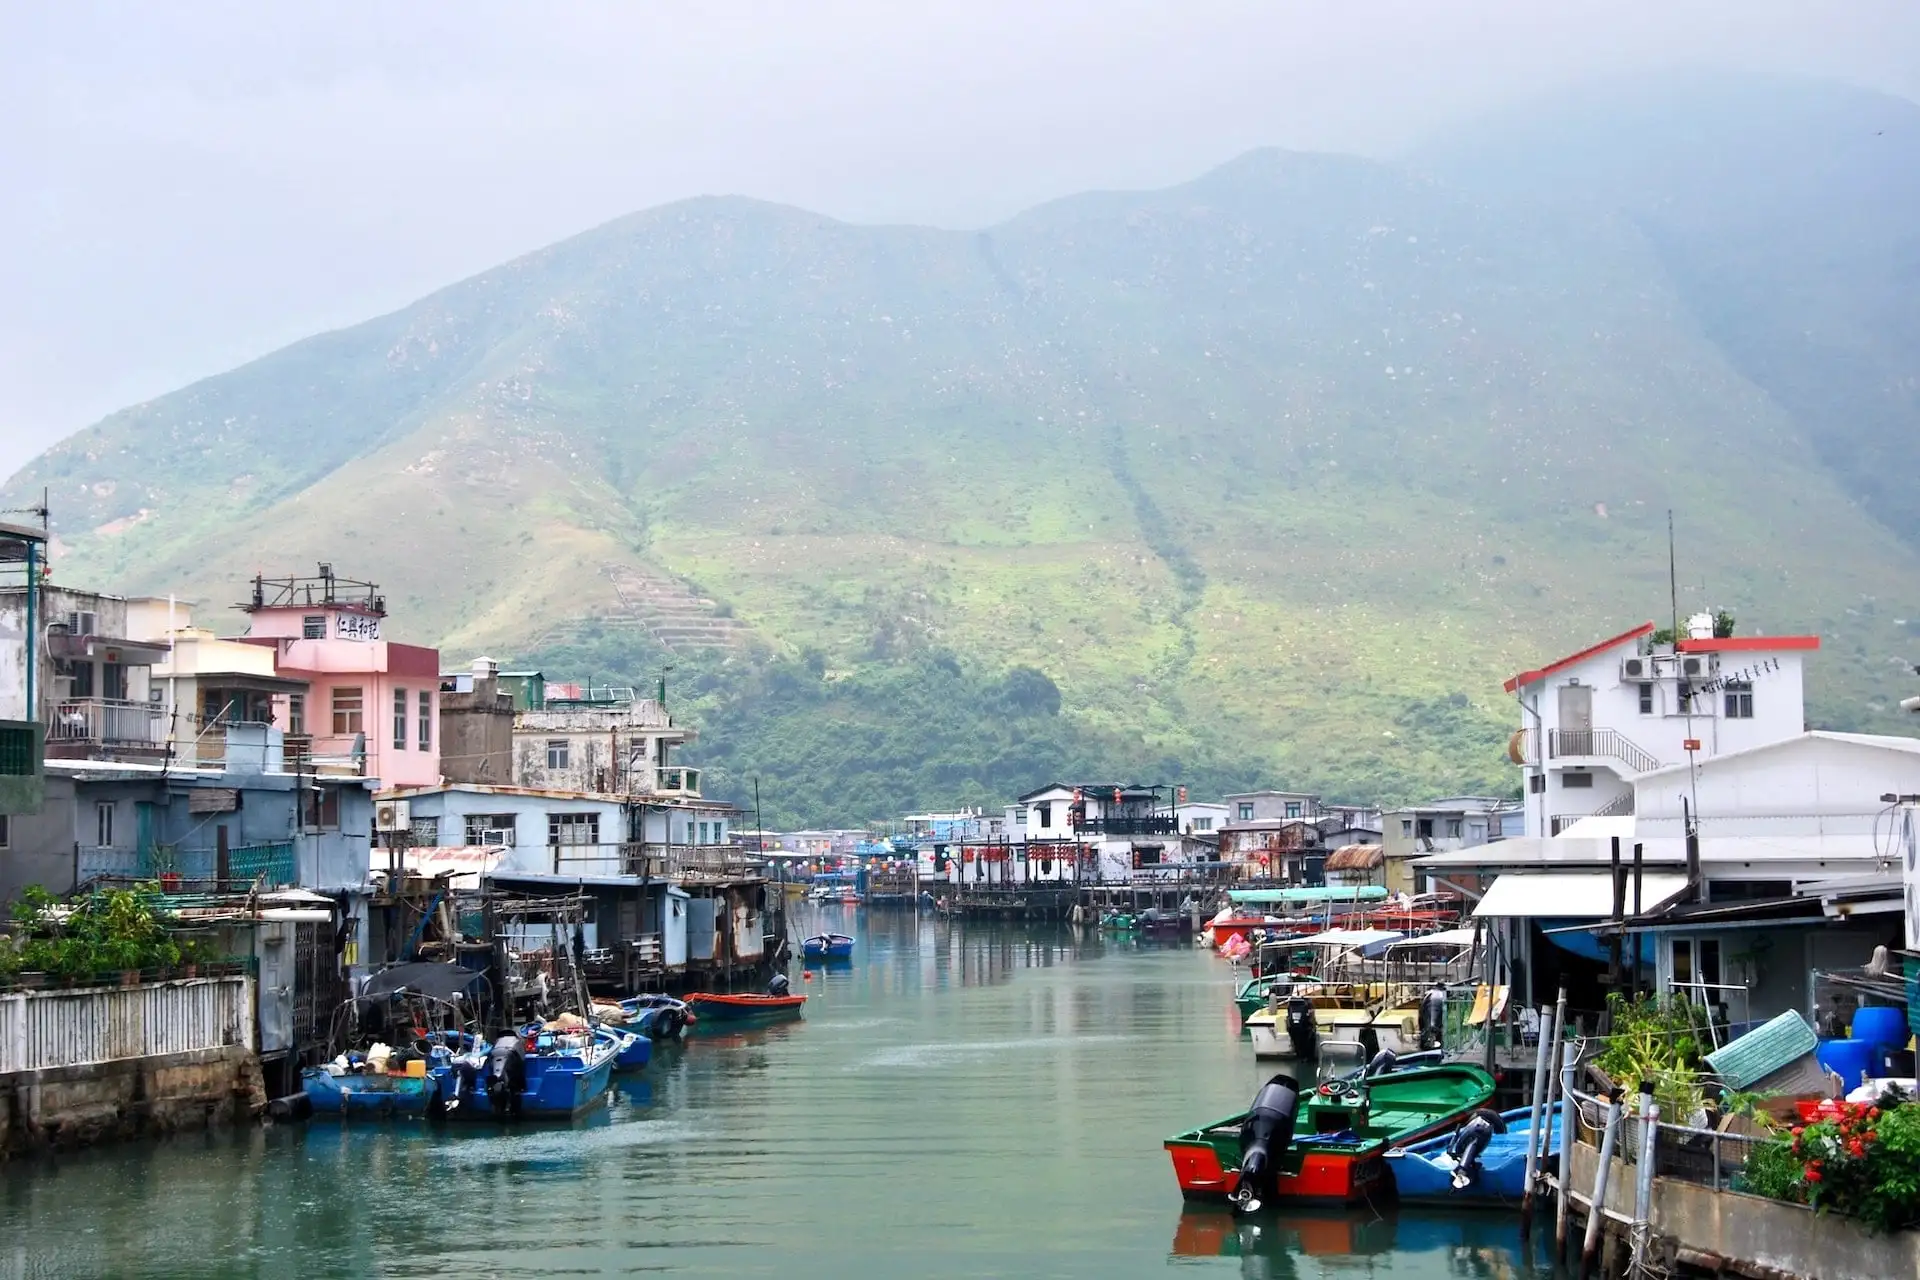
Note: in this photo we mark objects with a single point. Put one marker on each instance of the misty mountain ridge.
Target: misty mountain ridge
(1272, 475)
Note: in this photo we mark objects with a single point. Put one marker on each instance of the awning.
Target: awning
(1331, 893)
(1572, 895)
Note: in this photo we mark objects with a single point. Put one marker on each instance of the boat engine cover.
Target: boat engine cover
(1267, 1132)
(1302, 1029)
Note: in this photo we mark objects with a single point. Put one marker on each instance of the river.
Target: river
(960, 1100)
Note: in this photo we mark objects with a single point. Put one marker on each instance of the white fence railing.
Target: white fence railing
(87, 1025)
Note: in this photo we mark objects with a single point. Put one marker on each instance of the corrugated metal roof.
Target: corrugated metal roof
(1764, 1050)
(1356, 857)
(1571, 895)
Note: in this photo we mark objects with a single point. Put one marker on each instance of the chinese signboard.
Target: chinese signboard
(356, 626)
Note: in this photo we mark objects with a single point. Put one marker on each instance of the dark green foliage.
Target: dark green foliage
(105, 932)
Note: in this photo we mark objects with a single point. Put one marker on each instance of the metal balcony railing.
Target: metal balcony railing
(109, 722)
(1603, 744)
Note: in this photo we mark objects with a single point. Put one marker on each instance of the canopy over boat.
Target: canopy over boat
(1368, 942)
(1315, 894)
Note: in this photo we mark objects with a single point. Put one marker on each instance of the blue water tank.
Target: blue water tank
(1848, 1059)
(1881, 1025)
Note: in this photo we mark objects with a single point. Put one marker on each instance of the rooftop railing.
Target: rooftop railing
(109, 722)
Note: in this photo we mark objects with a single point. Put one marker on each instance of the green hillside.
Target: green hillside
(1271, 477)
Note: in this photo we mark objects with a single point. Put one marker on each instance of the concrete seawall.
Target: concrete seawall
(62, 1107)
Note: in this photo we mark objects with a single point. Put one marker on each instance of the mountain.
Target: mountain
(1272, 476)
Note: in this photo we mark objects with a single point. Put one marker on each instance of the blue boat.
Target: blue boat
(368, 1094)
(1424, 1172)
(632, 1049)
(566, 1074)
(827, 946)
(657, 1016)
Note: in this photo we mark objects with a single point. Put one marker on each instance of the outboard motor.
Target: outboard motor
(1264, 1137)
(1433, 1018)
(506, 1075)
(1469, 1141)
(1302, 1029)
(778, 985)
(466, 1081)
(1382, 1064)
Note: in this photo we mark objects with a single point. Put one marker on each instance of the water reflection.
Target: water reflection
(960, 1100)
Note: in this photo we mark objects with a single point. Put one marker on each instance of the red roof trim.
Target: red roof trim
(1528, 677)
(1749, 644)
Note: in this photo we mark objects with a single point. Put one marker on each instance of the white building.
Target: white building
(1595, 720)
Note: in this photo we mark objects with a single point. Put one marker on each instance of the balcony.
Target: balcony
(1599, 744)
(107, 722)
(1145, 824)
(677, 782)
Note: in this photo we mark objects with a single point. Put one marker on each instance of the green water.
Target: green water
(960, 1100)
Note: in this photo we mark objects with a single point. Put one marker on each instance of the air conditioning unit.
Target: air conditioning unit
(1636, 668)
(392, 815)
(497, 836)
(82, 622)
(1699, 666)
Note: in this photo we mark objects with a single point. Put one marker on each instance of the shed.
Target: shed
(1356, 857)
(673, 928)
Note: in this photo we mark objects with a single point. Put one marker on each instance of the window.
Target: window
(1537, 783)
(103, 824)
(347, 708)
(296, 713)
(1646, 699)
(703, 833)
(1424, 828)
(1293, 808)
(1203, 824)
(320, 808)
(5, 835)
(689, 832)
(573, 828)
(556, 753)
(719, 833)
(424, 833)
(1576, 781)
(399, 719)
(1246, 811)
(313, 627)
(1453, 828)
(490, 828)
(1406, 828)
(216, 708)
(1739, 700)
(1043, 816)
(426, 720)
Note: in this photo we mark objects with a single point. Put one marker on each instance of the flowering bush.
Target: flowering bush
(1862, 1161)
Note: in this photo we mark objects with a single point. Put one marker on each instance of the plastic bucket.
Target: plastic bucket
(1848, 1059)
(1881, 1025)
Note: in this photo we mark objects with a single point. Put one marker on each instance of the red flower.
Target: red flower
(1813, 1174)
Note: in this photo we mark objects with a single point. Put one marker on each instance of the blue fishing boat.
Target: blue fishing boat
(560, 1076)
(657, 1016)
(387, 1039)
(367, 1093)
(632, 1049)
(827, 946)
(1428, 1172)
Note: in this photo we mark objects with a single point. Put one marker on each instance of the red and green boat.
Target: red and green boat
(1326, 1146)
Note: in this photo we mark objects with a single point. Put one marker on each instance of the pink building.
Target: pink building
(372, 705)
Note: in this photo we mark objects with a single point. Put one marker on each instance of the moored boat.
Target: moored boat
(632, 1049)
(544, 1076)
(713, 1006)
(1445, 1170)
(370, 1093)
(1328, 1145)
(827, 946)
(660, 1017)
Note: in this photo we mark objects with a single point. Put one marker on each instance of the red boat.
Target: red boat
(724, 1008)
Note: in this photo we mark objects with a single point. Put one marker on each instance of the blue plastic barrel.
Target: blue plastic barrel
(1881, 1025)
(1848, 1059)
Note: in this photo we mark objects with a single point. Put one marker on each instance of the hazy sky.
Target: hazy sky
(186, 185)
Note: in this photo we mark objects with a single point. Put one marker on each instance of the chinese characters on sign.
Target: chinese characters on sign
(356, 626)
